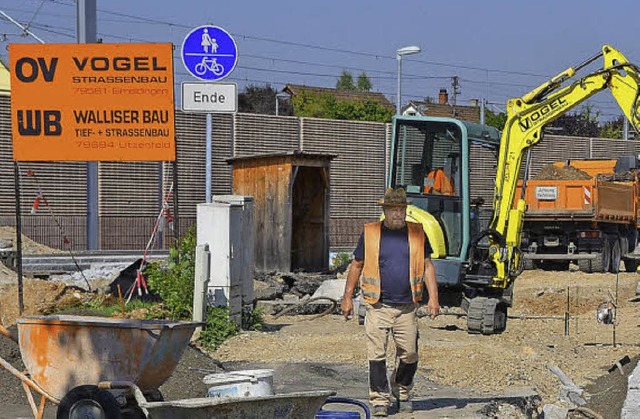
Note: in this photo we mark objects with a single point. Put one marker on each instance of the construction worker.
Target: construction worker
(394, 257)
(437, 182)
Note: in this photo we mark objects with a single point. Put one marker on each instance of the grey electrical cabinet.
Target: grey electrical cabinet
(226, 225)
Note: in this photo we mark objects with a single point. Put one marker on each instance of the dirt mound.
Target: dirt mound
(40, 297)
(29, 247)
(552, 172)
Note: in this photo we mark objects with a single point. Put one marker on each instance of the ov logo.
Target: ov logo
(28, 69)
(30, 123)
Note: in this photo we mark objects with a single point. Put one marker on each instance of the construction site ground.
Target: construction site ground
(460, 375)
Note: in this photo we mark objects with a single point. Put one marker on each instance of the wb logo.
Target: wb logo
(33, 123)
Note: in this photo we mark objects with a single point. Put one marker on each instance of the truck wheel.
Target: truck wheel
(614, 242)
(602, 262)
(585, 265)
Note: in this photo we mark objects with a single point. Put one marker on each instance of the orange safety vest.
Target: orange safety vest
(439, 182)
(370, 282)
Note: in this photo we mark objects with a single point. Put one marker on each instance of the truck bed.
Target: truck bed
(574, 200)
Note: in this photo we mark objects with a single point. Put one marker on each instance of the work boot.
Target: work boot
(380, 411)
(404, 406)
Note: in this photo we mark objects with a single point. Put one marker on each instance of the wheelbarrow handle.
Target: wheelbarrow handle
(8, 334)
(26, 380)
(131, 387)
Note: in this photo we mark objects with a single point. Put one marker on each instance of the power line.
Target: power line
(140, 19)
(24, 29)
(54, 30)
(35, 13)
(312, 46)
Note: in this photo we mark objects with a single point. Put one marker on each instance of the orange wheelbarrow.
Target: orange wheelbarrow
(67, 357)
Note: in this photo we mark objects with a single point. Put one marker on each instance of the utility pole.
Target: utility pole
(16, 177)
(625, 128)
(87, 33)
(456, 89)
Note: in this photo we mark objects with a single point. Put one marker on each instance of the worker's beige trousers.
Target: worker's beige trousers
(400, 322)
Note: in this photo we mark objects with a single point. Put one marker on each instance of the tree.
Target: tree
(326, 106)
(581, 124)
(262, 100)
(345, 81)
(612, 129)
(364, 84)
(495, 120)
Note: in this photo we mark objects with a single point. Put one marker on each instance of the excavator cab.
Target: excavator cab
(430, 160)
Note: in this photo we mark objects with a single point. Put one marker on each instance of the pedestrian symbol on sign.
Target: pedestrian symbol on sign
(209, 53)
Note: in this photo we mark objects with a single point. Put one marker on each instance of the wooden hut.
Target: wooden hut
(291, 208)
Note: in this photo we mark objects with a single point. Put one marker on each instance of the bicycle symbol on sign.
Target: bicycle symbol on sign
(211, 64)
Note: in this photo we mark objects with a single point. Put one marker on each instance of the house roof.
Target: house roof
(465, 113)
(346, 95)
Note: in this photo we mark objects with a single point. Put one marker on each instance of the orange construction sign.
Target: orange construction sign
(92, 102)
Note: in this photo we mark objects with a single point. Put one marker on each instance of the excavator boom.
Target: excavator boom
(476, 268)
(526, 118)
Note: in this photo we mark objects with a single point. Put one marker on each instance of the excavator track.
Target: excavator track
(475, 314)
(486, 315)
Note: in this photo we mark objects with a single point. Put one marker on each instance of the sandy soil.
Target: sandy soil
(29, 247)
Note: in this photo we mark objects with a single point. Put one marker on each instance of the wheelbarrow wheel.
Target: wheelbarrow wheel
(88, 401)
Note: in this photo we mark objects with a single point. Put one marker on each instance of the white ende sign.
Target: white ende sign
(209, 97)
(546, 193)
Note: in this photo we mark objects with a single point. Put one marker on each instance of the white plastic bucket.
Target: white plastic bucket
(247, 383)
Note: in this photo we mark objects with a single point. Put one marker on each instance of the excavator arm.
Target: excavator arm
(526, 118)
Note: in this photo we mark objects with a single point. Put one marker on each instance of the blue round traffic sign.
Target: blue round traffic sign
(209, 53)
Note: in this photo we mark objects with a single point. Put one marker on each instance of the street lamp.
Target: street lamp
(281, 95)
(403, 51)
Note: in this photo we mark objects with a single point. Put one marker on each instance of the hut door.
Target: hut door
(308, 219)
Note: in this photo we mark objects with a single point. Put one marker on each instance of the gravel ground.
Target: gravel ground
(459, 374)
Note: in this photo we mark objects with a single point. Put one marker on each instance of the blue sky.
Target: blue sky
(498, 49)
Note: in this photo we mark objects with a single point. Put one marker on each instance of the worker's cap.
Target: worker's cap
(394, 198)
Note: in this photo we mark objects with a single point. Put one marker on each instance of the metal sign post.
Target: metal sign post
(208, 53)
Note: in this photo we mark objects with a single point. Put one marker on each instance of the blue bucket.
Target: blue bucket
(331, 414)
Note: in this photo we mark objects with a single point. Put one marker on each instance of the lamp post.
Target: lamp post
(400, 53)
(281, 95)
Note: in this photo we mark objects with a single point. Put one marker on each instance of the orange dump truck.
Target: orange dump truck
(585, 212)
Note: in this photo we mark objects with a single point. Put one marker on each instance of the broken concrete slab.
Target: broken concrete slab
(331, 288)
(553, 411)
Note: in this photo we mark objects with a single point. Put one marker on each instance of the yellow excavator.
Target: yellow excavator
(476, 266)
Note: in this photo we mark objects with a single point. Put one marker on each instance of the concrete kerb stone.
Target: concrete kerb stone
(631, 406)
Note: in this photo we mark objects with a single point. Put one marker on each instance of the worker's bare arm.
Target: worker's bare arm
(433, 305)
(352, 280)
